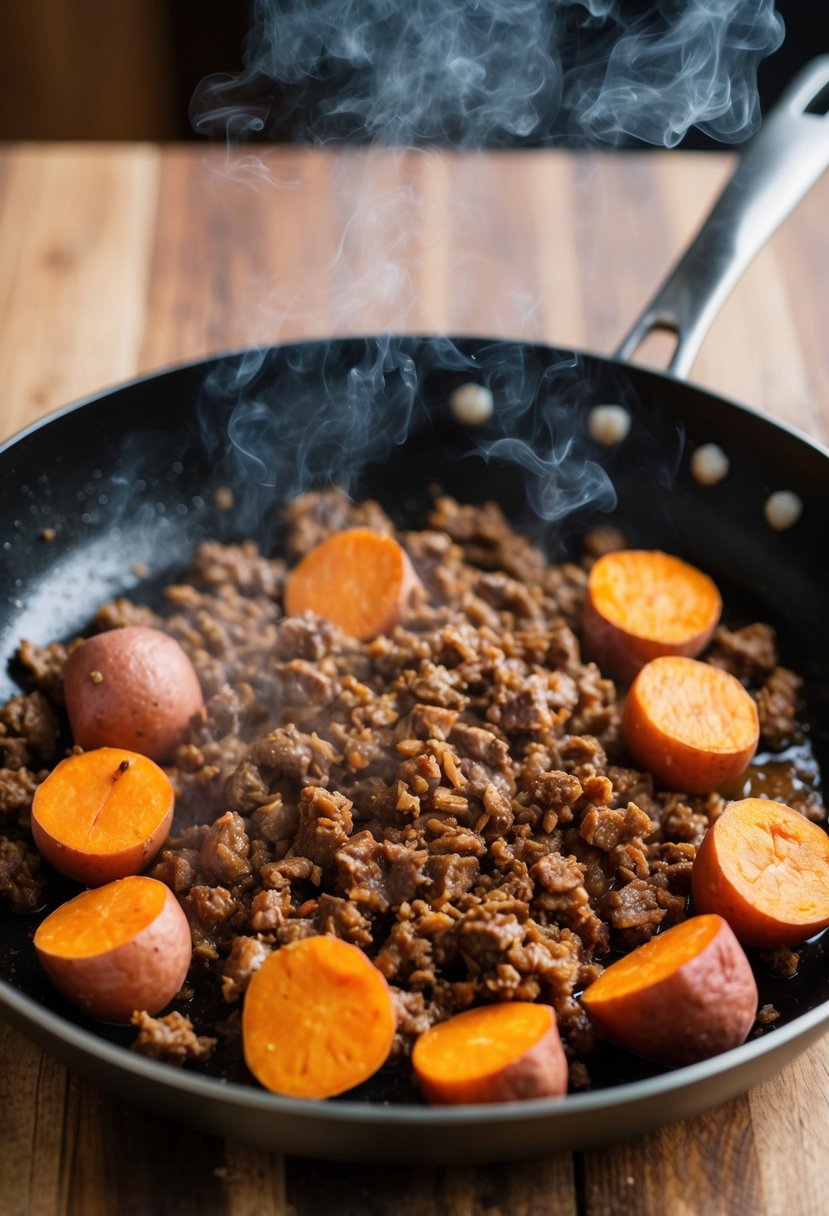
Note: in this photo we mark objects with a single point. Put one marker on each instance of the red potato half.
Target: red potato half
(102, 815)
(642, 604)
(499, 1053)
(133, 688)
(361, 580)
(687, 994)
(765, 868)
(118, 948)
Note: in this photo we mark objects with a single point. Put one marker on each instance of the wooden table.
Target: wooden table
(115, 259)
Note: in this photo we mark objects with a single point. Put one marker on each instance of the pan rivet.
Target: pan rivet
(608, 424)
(472, 404)
(709, 464)
(783, 509)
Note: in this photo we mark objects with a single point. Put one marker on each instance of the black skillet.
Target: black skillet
(127, 479)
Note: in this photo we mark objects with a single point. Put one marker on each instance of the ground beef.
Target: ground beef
(121, 612)
(776, 704)
(22, 874)
(34, 721)
(412, 1017)
(17, 788)
(750, 653)
(634, 912)
(44, 666)
(312, 517)
(782, 962)
(325, 824)
(171, 1039)
(342, 918)
(379, 875)
(223, 856)
(247, 954)
(453, 798)
(240, 566)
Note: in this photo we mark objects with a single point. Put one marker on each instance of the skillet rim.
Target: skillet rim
(238, 352)
(26, 1011)
(401, 1113)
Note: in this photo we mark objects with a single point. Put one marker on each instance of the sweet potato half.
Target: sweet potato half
(102, 815)
(118, 948)
(642, 604)
(765, 868)
(687, 994)
(498, 1053)
(692, 725)
(361, 580)
(318, 1019)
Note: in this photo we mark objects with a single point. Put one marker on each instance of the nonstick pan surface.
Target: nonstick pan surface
(128, 480)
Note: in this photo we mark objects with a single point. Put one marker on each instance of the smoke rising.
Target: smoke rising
(476, 74)
(278, 422)
(495, 72)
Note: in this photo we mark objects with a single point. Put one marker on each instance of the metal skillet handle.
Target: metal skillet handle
(780, 165)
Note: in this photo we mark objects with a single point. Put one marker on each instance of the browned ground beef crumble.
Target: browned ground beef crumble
(454, 798)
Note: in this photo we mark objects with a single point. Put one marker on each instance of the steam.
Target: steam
(697, 68)
(280, 421)
(488, 72)
(473, 74)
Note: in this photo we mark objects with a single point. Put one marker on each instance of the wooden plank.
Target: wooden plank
(68, 1149)
(784, 371)
(790, 1121)
(253, 1181)
(88, 71)
(75, 235)
(803, 253)
(708, 1164)
(624, 243)
(536, 1188)
(32, 1099)
(558, 190)
(131, 1162)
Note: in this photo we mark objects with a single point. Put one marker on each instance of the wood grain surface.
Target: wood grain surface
(116, 259)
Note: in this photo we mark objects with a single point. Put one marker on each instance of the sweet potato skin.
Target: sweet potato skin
(705, 1007)
(133, 688)
(714, 890)
(145, 972)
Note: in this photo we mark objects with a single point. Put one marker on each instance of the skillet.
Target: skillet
(128, 478)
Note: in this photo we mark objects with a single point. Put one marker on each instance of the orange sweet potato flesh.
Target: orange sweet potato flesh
(117, 948)
(765, 868)
(498, 1053)
(102, 815)
(642, 604)
(133, 688)
(359, 579)
(318, 1019)
(687, 994)
(692, 725)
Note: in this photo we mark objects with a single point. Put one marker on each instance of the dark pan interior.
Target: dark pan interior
(127, 480)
